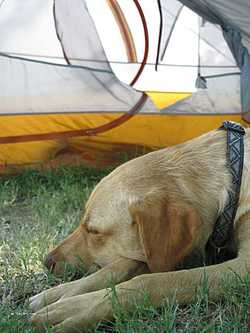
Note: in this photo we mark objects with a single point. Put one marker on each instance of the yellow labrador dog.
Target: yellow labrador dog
(146, 217)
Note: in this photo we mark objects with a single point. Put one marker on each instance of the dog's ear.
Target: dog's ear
(168, 231)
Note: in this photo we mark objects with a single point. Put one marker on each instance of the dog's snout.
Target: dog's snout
(50, 262)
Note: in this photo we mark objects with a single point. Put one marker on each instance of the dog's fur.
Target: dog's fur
(147, 216)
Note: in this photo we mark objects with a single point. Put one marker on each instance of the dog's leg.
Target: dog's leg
(119, 271)
(79, 313)
(182, 284)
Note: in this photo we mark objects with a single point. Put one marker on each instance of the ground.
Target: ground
(37, 210)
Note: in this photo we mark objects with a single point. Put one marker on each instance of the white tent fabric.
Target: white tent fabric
(233, 14)
(34, 87)
(27, 29)
(29, 86)
(70, 72)
(233, 17)
(171, 11)
(78, 36)
(222, 96)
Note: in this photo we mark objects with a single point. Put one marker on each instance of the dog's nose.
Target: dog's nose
(50, 262)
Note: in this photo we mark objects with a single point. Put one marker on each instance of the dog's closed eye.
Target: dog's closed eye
(92, 231)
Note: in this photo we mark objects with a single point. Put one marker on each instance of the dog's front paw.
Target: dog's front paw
(74, 314)
(54, 294)
(45, 298)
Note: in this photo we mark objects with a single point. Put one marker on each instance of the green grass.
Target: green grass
(37, 210)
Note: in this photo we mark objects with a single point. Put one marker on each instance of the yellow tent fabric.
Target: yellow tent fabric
(141, 133)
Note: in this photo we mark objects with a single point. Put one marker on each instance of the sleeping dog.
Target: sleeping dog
(140, 223)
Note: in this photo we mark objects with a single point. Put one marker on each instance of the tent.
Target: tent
(92, 81)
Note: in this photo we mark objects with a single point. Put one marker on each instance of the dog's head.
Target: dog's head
(132, 219)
